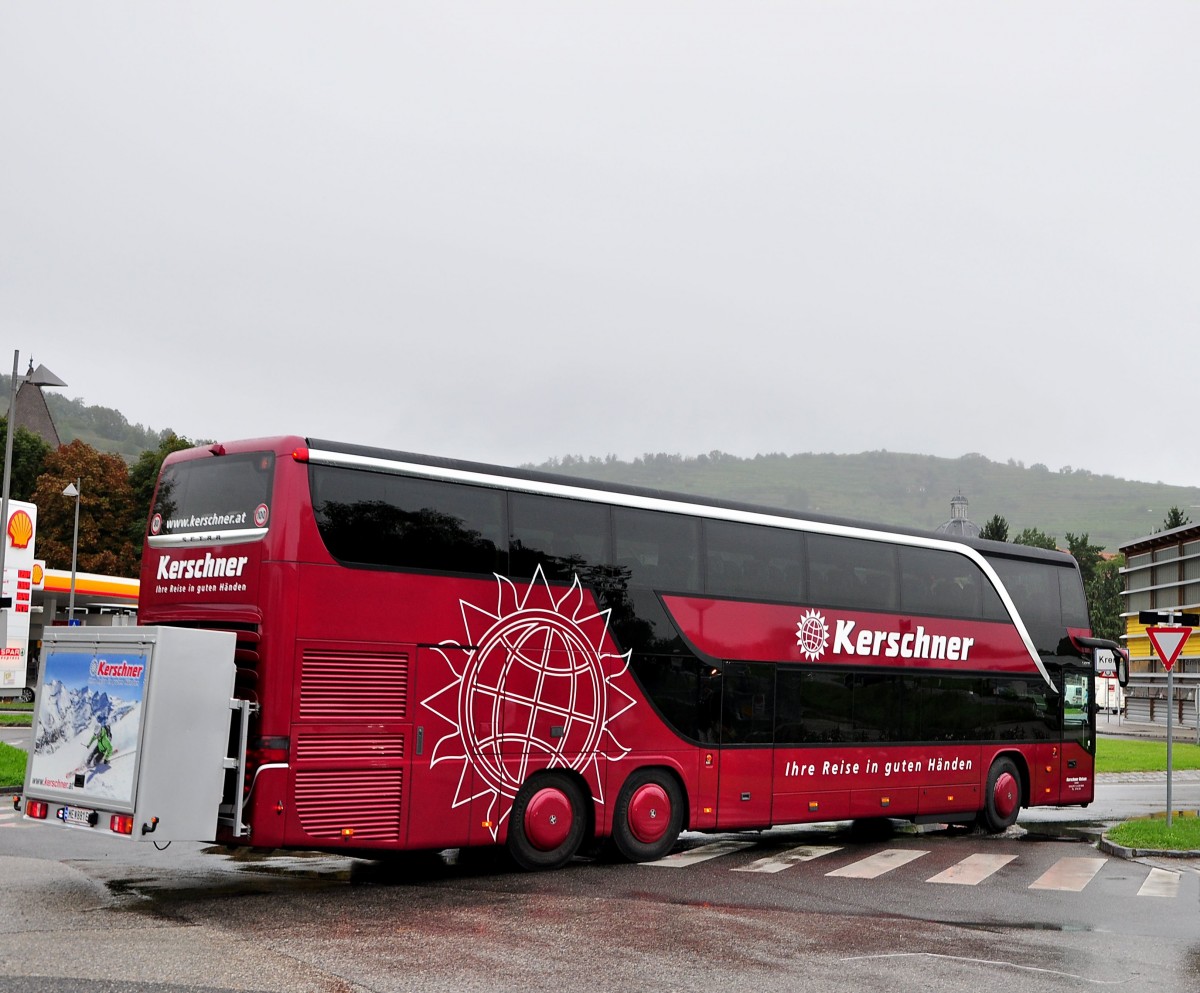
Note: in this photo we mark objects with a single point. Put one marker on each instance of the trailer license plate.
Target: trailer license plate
(79, 815)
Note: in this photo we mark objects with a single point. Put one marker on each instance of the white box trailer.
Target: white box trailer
(133, 730)
(1110, 696)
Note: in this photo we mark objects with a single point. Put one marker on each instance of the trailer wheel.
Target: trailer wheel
(547, 822)
(648, 815)
(1002, 798)
(27, 695)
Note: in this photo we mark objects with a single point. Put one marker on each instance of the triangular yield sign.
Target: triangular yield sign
(1168, 642)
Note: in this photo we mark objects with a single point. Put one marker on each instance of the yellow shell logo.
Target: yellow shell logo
(39, 575)
(20, 529)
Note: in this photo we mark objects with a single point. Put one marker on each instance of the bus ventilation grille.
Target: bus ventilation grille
(357, 748)
(353, 686)
(349, 806)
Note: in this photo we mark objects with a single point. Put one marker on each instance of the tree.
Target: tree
(105, 511)
(1036, 538)
(996, 529)
(143, 475)
(1104, 599)
(1086, 554)
(29, 458)
(1175, 518)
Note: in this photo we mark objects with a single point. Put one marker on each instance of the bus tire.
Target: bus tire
(648, 816)
(547, 822)
(27, 695)
(1002, 798)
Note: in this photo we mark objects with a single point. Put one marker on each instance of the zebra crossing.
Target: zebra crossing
(1070, 874)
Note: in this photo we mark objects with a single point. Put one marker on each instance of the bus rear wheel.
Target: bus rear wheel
(648, 816)
(547, 822)
(1002, 798)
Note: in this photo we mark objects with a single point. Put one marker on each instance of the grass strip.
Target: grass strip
(1126, 755)
(12, 766)
(1152, 833)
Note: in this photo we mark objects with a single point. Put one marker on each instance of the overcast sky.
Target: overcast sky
(510, 231)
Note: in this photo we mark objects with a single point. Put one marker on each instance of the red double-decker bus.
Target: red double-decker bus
(444, 654)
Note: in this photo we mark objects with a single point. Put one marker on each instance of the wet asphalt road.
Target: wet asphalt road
(81, 912)
(190, 919)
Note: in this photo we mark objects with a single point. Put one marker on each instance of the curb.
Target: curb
(1121, 852)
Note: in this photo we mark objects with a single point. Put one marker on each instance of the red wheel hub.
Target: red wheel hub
(649, 813)
(1004, 795)
(548, 819)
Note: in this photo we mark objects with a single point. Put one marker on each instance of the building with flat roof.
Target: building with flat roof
(1161, 573)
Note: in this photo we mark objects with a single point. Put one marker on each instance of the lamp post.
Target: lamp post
(73, 490)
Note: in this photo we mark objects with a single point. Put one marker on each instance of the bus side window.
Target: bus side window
(852, 572)
(565, 537)
(748, 706)
(660, 550)
(754, 561)
(934, 581)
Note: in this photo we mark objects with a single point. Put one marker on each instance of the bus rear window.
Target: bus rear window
(216, 495)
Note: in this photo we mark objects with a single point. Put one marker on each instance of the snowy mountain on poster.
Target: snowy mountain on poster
(67, 712)
(68, 719)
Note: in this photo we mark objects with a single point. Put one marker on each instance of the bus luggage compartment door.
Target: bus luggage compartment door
(747, 758)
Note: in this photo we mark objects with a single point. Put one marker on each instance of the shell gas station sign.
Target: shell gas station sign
(19, 582)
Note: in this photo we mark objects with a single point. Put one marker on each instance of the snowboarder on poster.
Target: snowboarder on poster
(104, 746)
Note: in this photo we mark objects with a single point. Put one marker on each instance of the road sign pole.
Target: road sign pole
(1170, 686)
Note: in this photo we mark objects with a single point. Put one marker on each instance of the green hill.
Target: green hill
(105, 429)
(910, 490)
(889, 487)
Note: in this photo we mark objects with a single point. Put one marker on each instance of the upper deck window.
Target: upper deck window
(755, 561)
(399, 522)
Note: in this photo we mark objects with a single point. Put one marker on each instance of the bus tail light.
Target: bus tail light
(36, 808)
(121, 824)
(300, 455)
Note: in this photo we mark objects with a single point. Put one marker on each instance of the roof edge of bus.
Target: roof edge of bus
(581, 482)
(285, 444)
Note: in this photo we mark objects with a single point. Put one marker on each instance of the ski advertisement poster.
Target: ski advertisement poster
(89, 721)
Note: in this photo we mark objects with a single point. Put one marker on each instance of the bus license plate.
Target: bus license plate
(81, 816)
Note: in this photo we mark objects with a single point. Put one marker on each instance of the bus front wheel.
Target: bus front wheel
(648, 816)
(547, 822)
(1002, 798)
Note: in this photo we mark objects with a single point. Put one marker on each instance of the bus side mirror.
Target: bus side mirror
(1122, 669)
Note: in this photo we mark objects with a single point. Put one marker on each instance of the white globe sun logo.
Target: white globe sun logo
(812, 635)
(529, 688)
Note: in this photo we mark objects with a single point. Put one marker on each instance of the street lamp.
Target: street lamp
(73, 490)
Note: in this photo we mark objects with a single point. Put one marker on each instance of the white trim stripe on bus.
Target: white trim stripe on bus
(492, 481)
(240, 536)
